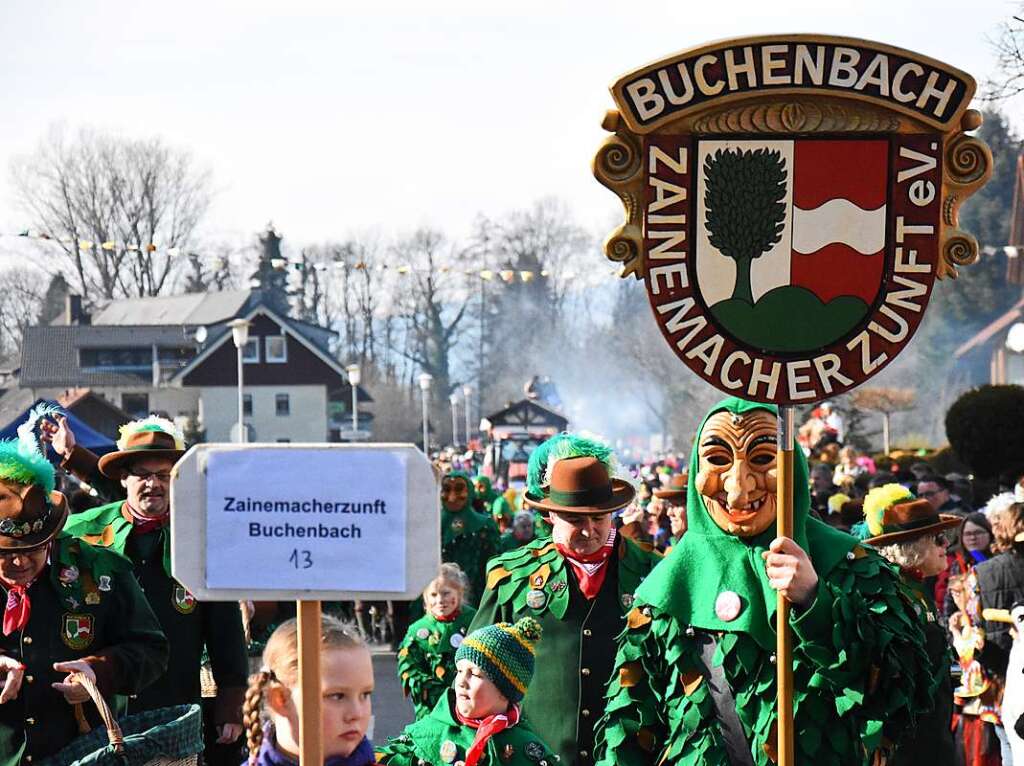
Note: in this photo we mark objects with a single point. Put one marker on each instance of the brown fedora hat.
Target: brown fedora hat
(29, 516)
(910, 520)
(140, 444)
(582, 485)
(676, 489)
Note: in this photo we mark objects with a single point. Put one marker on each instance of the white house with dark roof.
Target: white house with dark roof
(143, 355)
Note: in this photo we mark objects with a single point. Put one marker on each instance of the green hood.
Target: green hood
(472, 492)
(490, 494)
(708, 561)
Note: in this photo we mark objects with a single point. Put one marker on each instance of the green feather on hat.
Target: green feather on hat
(21, 460)
(559, 447)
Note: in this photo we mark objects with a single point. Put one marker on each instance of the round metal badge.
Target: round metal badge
(727, 606)
(448, 751)
(535, 599)
(456, 640)
(422, 633)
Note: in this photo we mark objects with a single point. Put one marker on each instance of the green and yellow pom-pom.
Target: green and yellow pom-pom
(559, 447)
(152, 423)
(529, 629)
(880, 498)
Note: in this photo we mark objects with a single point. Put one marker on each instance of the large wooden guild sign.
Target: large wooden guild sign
(790, 201)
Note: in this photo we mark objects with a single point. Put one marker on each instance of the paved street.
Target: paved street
(391, 711)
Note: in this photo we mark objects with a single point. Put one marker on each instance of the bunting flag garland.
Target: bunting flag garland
(507, 275)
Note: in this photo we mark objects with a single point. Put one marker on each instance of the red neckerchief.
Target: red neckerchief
(449, 618)
(141, 524)
(19, 607)
(590, 569)
(485, 729)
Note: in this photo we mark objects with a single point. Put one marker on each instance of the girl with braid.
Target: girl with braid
(346, 673)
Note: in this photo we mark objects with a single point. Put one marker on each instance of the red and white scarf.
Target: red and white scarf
(18, 609)
(485, 729)
(590, 569)
(141, 524)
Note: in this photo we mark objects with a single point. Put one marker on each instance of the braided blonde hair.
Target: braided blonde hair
(281, 666)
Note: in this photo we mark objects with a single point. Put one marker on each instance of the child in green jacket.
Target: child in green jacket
(477, 722)
(426, 658)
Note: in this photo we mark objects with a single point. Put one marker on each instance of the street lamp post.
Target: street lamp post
(425, 380)
(240, 335)
(354, 376)
(467, 393)
(454, 399)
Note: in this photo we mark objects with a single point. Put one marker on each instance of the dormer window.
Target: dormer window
(276, 349)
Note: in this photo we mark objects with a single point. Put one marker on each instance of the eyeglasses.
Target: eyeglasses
(975, 533)
(932, 493)
(163, 477)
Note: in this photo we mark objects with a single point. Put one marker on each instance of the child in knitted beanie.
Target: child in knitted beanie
(426, 658)
(346, 673)
(477, 722)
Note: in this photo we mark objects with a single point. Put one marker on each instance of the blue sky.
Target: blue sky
(337, 117)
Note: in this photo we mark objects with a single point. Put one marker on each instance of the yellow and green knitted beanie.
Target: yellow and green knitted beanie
(504, 652)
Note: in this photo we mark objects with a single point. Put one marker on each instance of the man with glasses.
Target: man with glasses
(935, 490)
(70, 610)
(138, 528)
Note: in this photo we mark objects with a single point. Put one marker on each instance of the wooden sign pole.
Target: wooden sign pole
(784, 636)
(310, 746)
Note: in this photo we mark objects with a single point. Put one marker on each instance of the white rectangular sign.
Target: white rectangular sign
(276, 518)
(278, 522)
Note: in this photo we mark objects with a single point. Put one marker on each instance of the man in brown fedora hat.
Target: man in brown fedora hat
(912, 534)
(70, 608)
(138, 528)
(577, 583)
(672, 500)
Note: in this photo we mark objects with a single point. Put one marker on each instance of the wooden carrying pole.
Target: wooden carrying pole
(784, 636)
(310, 747)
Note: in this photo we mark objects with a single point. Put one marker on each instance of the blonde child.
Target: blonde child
(426, 657)
(346, 673)
(477, 720)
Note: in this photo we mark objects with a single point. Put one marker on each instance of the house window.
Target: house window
(136, 405)
(283, 404)
(117, 359)
(251, 352)
(284, 441)
(275, 348)
(247, 404)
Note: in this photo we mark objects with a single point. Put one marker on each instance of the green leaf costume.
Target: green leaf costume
(426, 658)
(859, 658)
(439, 739)
(469, 539)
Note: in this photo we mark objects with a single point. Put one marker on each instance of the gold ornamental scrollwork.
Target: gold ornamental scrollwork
(796, 116)
(618, 165)
(967, 166)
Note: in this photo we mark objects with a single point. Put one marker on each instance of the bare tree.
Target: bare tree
(115, 207)
(433, 298)
(21, 298)
(886, 401)
(1008, 47)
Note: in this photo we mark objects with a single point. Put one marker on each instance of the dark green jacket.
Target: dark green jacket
(96, 613)
(426, 658)
(469, 539)
(439, 739)
(577, 648)
(189, 624)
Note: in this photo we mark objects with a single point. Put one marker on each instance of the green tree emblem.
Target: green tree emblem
(744, 199)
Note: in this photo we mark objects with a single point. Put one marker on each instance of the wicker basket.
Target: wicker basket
(171, 736)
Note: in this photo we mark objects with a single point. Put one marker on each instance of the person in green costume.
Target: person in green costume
(695, 675)
(138, 528)
(468, 538)
(492, 503)
(578, 584)
(911, 534)
(478, 722)
(70, 608)
(426, 657)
